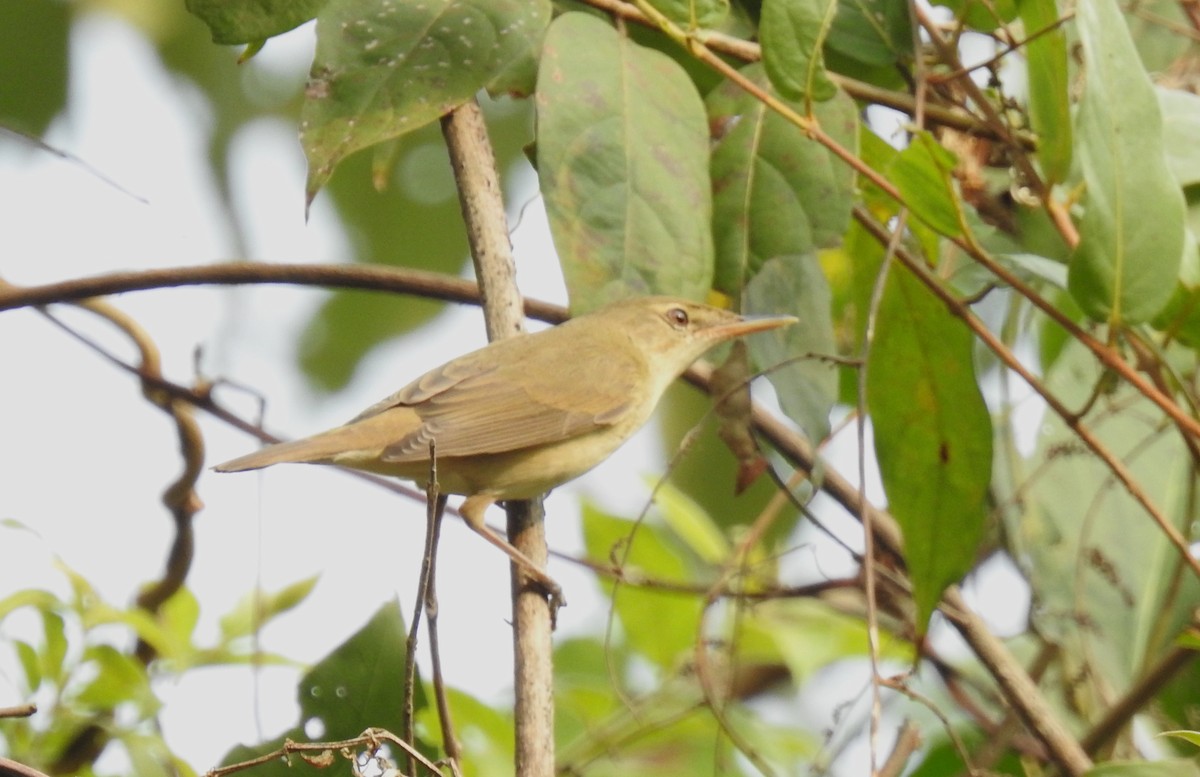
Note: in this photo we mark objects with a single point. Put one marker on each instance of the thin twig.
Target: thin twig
(19, 711)
(10, 768)
(899, 685)
(371, 739)
(424, 581)
(908, 741)
(437, 506)
(1138, 696)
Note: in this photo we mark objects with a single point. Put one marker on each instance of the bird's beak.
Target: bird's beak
(747, 325)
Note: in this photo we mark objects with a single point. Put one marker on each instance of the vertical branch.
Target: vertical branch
(435, 509)
(487, 229)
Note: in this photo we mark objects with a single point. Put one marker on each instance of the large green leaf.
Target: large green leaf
(933, 435)
(623, 157)
(811, 634)
(416, 222)
(247, 21)
(874, 32)
(1131, 234)
(384, 68)
(1049, 106)
(1111, 593)
(775, 191)
(356, 686)
(1155, 28)
(805, 383)
(793, 33)
(1181, 128)
(871, 40)
(660, 625)
(35, 59)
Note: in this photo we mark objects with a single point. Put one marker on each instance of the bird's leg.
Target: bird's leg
(472, 511)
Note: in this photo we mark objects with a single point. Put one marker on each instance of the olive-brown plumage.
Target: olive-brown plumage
(525, 414)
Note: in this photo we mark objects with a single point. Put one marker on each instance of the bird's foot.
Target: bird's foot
(548, 585)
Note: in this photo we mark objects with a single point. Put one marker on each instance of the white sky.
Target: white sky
(83, 459)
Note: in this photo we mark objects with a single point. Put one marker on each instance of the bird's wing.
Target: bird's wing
(472, 406)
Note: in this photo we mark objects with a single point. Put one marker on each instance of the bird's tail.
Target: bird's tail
(317, 449)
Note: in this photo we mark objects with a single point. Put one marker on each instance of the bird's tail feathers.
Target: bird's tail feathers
(320, 448)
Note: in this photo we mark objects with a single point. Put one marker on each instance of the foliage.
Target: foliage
(83, 683)
(1030, 222)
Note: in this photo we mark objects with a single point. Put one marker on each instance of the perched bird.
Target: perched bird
(525, 414)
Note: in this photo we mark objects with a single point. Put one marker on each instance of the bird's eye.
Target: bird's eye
(677, 317)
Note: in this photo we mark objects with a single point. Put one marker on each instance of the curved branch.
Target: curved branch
(368, 277)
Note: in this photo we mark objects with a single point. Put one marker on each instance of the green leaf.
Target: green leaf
(30, 665)
(1131, 235)
(1110, 594)
(1034, 267)
(660, 625)
(707, 471)
(1049, 104)
(982, 16)
(119, 678)
(805, 383)
(256, 609)
(775, 191)
(693, 14)
(35, 60)
(933, 435)
(1181, 127)
(623, 157)
(355, 686)
(873, 32)
(1192, 737)
(416, 221)
(30, 597)
(54, 652)
(384, 68)
(1175, 768)
(809, 635)
(1155, 29)
(485, 733)
(178, 617)
(690, 522)
(246, 21)
(792, 33)
(924, 174)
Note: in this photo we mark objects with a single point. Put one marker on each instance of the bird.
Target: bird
(527, 413)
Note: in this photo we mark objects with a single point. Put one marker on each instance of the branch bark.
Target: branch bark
(482, 202)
